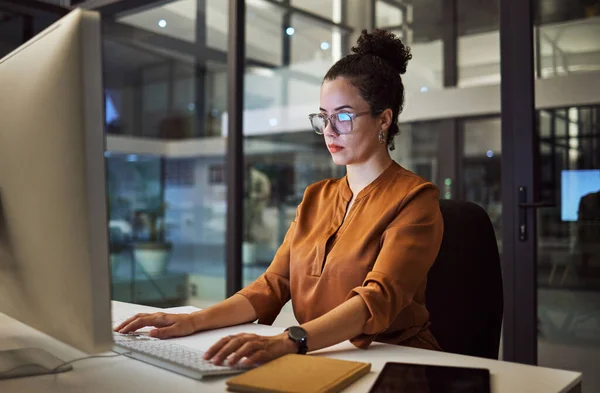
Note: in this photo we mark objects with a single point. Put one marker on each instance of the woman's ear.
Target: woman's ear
(386, 119)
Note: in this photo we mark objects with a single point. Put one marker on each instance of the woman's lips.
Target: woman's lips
(334, 148)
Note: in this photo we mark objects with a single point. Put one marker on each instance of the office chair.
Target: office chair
(464, 289)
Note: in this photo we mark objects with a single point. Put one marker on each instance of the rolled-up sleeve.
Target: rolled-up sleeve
(271, 291)
(409, 247)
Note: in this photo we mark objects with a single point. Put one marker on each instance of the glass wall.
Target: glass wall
(419, 23)
(478, 53)
(390, 15)
(481, 167)
(162, 72)
(328, 9)
(567, 37)
(417, 148)
(165, 98)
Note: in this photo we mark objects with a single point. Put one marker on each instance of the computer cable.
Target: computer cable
(57, 368)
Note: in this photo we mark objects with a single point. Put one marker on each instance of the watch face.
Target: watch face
(297, 333)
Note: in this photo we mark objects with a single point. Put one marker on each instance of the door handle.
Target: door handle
(523, 206)
(536, 205)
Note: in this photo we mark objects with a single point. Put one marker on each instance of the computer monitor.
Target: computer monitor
(575, 184)
(54, 269)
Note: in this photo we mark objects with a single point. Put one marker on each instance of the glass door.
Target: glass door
(568, 242)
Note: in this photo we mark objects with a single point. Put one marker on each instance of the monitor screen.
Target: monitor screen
(112, 115)
(575, 185)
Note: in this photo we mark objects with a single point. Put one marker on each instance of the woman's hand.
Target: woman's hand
(169, 325)
(256, 349)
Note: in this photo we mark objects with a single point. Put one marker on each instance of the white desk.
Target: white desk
(122, 374)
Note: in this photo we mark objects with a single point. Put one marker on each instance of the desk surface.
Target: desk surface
(122, 374)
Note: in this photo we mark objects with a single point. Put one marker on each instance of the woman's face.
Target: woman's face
(340, 96)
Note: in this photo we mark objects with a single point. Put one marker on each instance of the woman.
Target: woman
(355, 259)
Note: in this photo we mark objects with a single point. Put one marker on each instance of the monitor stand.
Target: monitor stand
(29, 362)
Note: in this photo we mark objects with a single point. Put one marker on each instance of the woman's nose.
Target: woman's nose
(329, 131)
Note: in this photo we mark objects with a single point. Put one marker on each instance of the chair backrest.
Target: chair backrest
(464, 287)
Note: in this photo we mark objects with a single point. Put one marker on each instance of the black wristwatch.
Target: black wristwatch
(299, 336)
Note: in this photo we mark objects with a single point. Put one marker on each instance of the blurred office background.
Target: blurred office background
(166, 114)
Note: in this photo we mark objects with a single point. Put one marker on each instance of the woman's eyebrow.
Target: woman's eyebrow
(338, 108)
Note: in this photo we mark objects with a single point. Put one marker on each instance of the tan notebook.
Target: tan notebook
(299, 374)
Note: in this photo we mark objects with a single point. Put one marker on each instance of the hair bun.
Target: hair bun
(386, 46)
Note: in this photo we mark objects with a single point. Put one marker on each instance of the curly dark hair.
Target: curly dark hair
(374, 68)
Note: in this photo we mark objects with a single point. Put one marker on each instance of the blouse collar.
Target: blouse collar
(346, 193)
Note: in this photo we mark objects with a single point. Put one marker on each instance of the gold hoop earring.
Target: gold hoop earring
(381, 137)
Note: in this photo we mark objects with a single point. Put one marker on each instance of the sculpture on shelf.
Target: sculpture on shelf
(257, 193)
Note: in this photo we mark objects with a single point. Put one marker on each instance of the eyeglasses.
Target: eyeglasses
(340, 122)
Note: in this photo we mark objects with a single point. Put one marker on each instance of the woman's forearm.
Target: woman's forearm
(235, 310)
(340, 324)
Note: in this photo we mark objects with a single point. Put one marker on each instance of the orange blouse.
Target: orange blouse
(381, 252)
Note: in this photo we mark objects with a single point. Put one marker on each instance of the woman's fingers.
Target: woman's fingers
(245, 350)
(253, 349)
(231, 346)
(157, 320)
(257, 358)
(216, 347)
(128, 321)
(174, 330)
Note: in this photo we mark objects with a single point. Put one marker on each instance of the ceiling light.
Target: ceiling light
(162, 23)
(290, 31)
(325, 45)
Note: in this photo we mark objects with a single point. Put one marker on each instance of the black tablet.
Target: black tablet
(417, 378)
